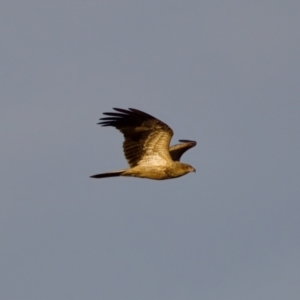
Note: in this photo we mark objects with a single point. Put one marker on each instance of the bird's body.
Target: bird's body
(146, 146)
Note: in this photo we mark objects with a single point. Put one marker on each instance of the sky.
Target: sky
(222, 73)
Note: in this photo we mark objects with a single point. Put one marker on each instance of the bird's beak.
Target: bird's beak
(194, 170)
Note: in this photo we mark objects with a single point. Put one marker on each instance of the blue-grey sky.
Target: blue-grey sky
(223, 73)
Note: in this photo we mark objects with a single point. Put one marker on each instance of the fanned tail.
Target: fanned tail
(109, 174)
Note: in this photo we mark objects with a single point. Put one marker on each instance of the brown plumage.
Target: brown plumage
(146, 146)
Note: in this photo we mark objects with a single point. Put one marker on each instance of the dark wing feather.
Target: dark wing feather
(147, 139)
(176, 151)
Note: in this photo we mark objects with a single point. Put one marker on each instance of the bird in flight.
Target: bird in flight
(147, 146)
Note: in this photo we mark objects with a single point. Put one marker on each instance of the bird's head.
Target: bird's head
(182, 169)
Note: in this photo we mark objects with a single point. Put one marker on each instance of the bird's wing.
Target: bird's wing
(176, 151)
(147, 139)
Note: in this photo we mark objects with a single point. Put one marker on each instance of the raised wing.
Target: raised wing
(147, 139)
(176, 151)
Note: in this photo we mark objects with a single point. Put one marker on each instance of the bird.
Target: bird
(146, 146)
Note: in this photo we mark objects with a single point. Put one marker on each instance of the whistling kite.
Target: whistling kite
(146, 146)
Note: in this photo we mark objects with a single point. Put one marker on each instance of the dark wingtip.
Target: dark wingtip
(122, 110)
(121, 115)
(188, 141)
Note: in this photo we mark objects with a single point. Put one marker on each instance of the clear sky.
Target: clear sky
(223, 73)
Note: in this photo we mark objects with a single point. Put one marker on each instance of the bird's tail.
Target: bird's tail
(109, 174)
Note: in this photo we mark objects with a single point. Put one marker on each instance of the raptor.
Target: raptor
(147, 146)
